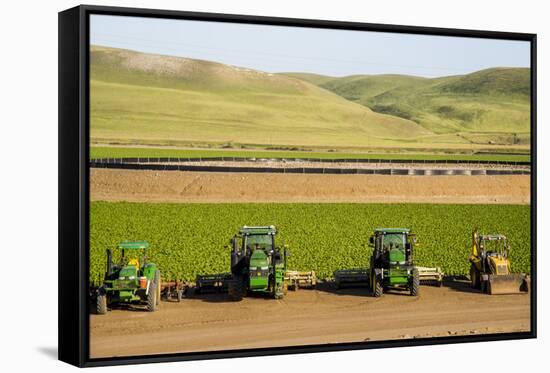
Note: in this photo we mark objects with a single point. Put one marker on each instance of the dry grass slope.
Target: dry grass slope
(138, 96)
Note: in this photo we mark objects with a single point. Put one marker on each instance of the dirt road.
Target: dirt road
(178, 186)
(306, 317)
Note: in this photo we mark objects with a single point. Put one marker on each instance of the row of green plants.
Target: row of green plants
(191, 239)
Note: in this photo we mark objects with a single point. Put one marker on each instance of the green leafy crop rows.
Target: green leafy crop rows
(188, 239)
(145, 152)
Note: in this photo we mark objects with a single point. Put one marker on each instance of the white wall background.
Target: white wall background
(28, 200)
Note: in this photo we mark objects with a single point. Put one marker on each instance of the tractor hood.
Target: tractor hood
(259, 271)
(259, 259)
(128, 273)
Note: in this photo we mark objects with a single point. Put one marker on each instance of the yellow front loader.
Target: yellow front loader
(490, 268)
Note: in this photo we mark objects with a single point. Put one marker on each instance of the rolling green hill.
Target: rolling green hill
(486, 107)
(145, 98)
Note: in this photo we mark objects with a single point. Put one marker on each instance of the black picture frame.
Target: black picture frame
(74, 183)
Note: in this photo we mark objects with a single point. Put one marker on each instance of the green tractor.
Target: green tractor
(391, 264)
(129, 279)
(257, 265)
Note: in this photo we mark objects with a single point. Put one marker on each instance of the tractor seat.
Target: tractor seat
(133, 262)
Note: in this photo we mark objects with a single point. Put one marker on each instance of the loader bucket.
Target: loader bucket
(507, 284)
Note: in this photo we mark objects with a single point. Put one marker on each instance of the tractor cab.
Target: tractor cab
(391, 263)
(495, 245)
(393, 246)
(256, 243)
(491, 250)
(129, 259)
(259, 242)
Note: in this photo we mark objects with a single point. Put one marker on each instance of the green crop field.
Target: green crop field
(188, 239)
(97, 152)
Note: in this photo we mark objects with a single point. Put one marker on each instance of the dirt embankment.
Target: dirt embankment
(177, 186)
(320, 316)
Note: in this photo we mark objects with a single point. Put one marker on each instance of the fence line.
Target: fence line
(320, 160)
(158, 166)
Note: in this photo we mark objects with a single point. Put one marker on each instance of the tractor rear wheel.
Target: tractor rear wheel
(378, 289)
(415, 285)
(152, 297)
(101, 306)
(235, 289)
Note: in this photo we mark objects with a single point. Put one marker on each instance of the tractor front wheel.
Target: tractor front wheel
(415, 285)
(152, 297)
(101, 306)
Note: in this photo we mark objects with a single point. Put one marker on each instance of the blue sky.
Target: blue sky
(296, 49)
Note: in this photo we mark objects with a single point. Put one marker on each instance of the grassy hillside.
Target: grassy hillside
(359, 88)
(165, 100)
(486, 107)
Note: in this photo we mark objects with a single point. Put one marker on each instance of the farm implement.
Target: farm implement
(218, 282)
(295, 280)
(258, 265)
(360, 276)
(214, 283)
(490, 269)
(351, 277)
